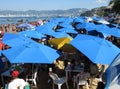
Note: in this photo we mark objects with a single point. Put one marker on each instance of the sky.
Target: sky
(23, 5)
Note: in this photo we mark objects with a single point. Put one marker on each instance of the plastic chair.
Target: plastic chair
(80, 80)
(32, 77)
(58, 81)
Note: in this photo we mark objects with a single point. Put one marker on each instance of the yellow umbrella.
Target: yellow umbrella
(59, 42)
(68, 48)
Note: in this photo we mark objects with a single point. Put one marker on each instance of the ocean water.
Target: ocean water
(14, 20)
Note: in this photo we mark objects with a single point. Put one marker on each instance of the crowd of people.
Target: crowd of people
(82, 63)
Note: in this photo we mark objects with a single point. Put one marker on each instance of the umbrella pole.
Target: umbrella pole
(32, 71)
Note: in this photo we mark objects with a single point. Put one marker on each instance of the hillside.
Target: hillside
(44, 13)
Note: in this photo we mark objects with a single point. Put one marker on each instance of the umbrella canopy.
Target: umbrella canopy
(15, 39)
(60, 35)
(98, 50)
(46, 29)
(108, 29)
(90, 26)
(66, 25)
(80, 25)
(59, 42)
(111, 31)
(32, 34)
(96, 18)
(113, 78)
(80, 20)
(67, 30)
(30, 54)
(86, 25)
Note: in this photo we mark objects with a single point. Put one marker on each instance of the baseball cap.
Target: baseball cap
(15, 73)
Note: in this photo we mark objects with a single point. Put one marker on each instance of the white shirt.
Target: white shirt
(14, 84)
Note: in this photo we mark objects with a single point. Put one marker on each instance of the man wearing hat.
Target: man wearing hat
(16, 83)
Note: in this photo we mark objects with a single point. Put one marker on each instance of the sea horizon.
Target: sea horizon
(16, 19)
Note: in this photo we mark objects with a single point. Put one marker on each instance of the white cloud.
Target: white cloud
(100, 1)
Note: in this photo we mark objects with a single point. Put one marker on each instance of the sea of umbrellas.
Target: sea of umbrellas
(45, 43)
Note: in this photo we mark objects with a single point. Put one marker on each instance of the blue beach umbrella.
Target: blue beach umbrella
(90, 26)
(15, 39)
(46, 29)
(105, 29)
(67, 30)
(62, 21)
(30, 54)
(32, 34)
(112, 74)
(100, 27)
(116, 26)
(60, 35)
(111, 31)
(96, 18)
(98, 50)
(68, 20)
(66, 25)
(78, 20)
(86, 25)
(80, 25)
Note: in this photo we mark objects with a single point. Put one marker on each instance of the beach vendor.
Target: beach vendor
(16, 83)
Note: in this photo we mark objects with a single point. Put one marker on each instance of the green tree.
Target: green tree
(116, 5)
(112, 1)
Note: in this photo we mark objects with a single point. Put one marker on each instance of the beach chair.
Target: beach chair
(83, 83)
(33, 77)
(81, 80)
(58, 81)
